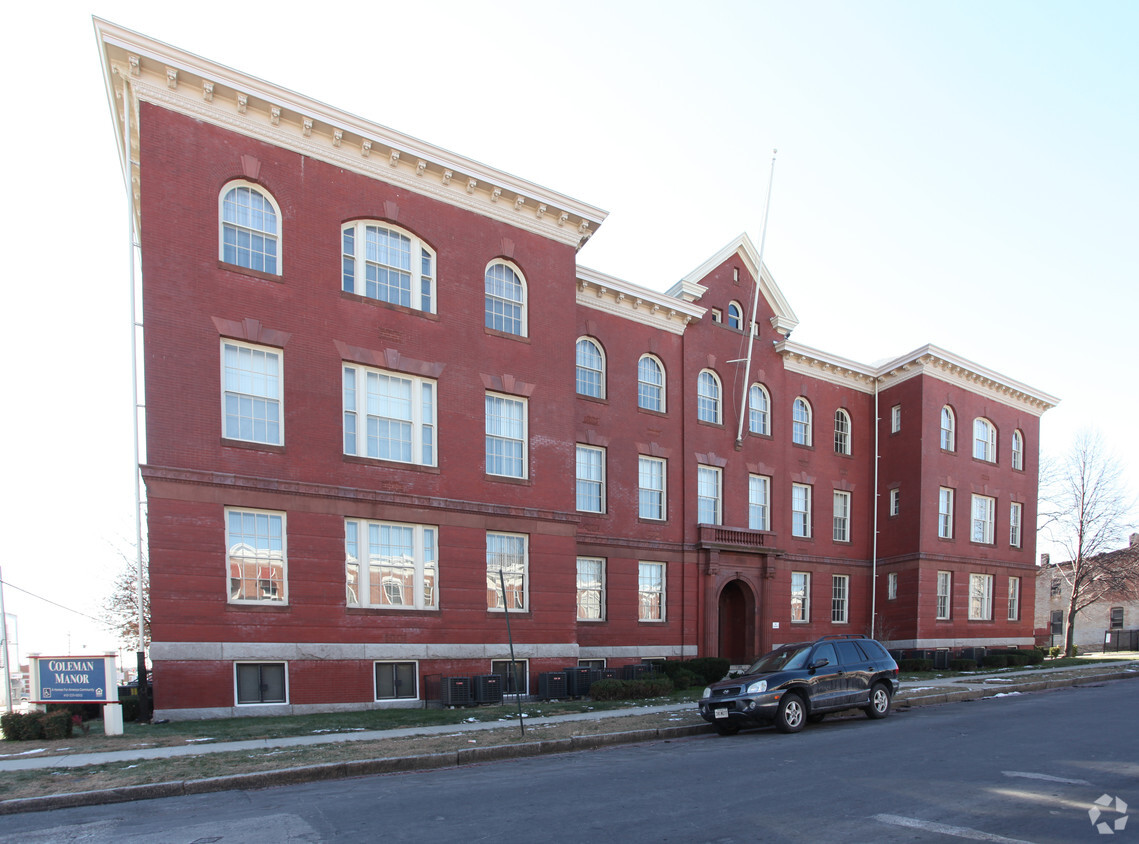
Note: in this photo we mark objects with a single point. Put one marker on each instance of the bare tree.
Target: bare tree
(120, 609)
(1084, 509)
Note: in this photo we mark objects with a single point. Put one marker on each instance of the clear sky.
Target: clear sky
(957, 173)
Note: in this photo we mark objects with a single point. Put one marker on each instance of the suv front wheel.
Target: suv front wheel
(879, 701)
(791, 715)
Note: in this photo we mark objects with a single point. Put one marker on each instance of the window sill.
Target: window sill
(353, 609)
(594, 399)
(708, 424)
(651, 412)
(251, 273)
(806, 446)
(273, 449)
(507, 479)
(506, 335)
(383, 463)
(648, 521)
(258, 606)
(390, 306)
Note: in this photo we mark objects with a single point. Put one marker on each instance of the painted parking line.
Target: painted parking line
(946, 829)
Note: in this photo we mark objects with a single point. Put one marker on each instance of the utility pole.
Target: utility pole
(4, 641)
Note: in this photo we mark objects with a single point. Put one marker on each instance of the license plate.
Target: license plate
(722, 712)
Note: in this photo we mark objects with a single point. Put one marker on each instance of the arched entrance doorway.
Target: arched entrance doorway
(737, 622)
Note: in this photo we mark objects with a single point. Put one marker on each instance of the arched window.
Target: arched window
(708, 397)
(590, 369)
(505, 299)
(801, 422)
(948, 429)
(984, 440)
(841, 432)
(387, 263)
(1017, 449)
(250, 230)
(735, 316)
(650, 384)
(758, 410)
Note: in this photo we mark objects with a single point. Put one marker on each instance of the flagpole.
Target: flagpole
(755, 307)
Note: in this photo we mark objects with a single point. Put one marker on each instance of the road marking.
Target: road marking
(945, 829)
(1046, 777)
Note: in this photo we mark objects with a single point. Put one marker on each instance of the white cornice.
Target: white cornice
(161, 74)
(928, 360)
(630, 301)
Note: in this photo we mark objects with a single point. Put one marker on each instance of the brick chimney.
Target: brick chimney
(1044, 558)
(1134, 539)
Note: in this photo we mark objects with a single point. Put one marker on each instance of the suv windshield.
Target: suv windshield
(787, 657)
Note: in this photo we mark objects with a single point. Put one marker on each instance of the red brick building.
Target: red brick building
(383, 401)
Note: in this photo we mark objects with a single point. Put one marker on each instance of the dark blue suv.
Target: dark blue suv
(802, 682)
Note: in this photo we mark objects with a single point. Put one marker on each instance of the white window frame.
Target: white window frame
(651, 392)
(395, 662)
(507, 449)
(800, 597)
(590, 463)
(591, 589)
(842, 432)
(418, 415)
(984, 440)
(759, 410)
(502, 312)
(590, 380)
(892, 586)
(841, 523)
(801, 510)
(735, 316)
(984, 510)
(253, 233)
(416, 572)
(652, 581)
(709, 495)
(895, 501)
(355, 239)
(801, 414)
(980, 597)
(945, 497)
(268, 550)
(840, 598)
(262, 663)
(708, 397)
(759, 502)
(944, 595)
(1015, 521)
(260, 389)
(1018, 450)
(497, 556)
(948, 432)
(652, 501)
(895, 419)
(1014, 599)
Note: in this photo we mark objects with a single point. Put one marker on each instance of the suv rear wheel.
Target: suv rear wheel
(879, 701)
(791, 715)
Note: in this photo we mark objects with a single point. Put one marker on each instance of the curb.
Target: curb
(472, 755)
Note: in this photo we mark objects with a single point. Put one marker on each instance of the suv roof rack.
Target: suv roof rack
(842, 636)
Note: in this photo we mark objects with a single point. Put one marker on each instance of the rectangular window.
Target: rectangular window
(840, 598)
(1056, 589)
(1014, 599)
(841, 516)
(895, 419)
(759, 502)
(944, 584)
(590, 479)
(507, 553)
(514, 675)
(895, 501)
(892, 586)
(255, 554)
(708, 480)
(1116, 619)
(251, 393)
(980, 597)
(590, 589)
(505, 436)
(800, 510)
(389, 416)
(1016, 510)
(397, 567)
(650, 592)
(800, 596)
(1056, 622)
(945, 513)
(261, 682)
(651, 488)
(983, 509)
(396, 681)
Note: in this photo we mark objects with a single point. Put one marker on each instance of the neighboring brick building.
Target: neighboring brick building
(361, 346)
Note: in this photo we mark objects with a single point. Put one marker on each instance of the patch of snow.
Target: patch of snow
(1007, 694)
(128, 767)
(189, 740)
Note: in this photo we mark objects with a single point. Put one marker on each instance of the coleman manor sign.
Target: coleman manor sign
(68, 679)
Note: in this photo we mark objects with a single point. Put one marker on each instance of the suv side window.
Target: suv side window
(848, 653)
(825, 652)
(873, 649)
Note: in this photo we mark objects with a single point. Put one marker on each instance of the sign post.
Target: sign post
(79, 679)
